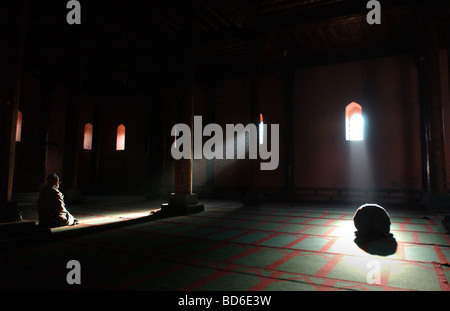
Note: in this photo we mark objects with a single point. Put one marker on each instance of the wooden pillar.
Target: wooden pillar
(288, 79)
(43, 134)
(433, 147)
(72, 140)
(12, 44)
(97, 136)
(211, 102)
(185, 108)
(165, 131)
(424, 129)
(183, 201)
(157, 125)
(254, 195)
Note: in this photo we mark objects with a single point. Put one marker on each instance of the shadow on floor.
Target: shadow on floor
(382, 247)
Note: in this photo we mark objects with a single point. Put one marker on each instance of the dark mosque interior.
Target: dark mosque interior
(349, 100)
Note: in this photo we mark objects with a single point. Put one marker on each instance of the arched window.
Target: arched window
(120, 141)
(354, 122)
(175, 142)
(87, 142)
(261, 129)
(19, 126)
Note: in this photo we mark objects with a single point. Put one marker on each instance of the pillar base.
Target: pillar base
(181, 204)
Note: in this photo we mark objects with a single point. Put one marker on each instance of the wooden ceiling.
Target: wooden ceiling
(131, 40)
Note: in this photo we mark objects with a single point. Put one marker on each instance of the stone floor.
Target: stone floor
(228, 247)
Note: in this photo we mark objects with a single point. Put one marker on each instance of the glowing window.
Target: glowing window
(87, 142)
(354, 122)
(261, 129)
(120, 141)
(19, 126)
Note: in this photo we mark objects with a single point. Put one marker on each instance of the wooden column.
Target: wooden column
(433, 146)
(43, 134)
(183, 201)
(72, 142)
(288, 78)
(165, 131)
(185, 108)
(254, 196)
(157, 126)
(97, 137)
(211, 99)
(13, 17)
(424, 129)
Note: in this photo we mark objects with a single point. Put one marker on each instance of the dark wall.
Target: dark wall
(389, 157)
(445, 86)
(28, 160)
(125, 171)
(386, 88)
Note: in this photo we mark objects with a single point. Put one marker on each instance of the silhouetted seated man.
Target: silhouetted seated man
(51, 208)
(372, 222)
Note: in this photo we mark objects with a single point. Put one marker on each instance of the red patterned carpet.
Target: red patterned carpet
(276, 247)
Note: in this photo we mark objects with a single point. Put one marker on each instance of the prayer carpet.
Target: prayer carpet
(229, 247)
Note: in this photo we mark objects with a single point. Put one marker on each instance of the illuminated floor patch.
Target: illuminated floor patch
(231, 248)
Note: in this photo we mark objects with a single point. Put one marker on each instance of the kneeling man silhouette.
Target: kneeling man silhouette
(372, 221)
(51, 207)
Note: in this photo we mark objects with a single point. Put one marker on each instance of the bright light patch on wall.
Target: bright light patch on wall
(120, 141)
(87, 141)
(261, 129)
(354, 122)
(19, 127)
